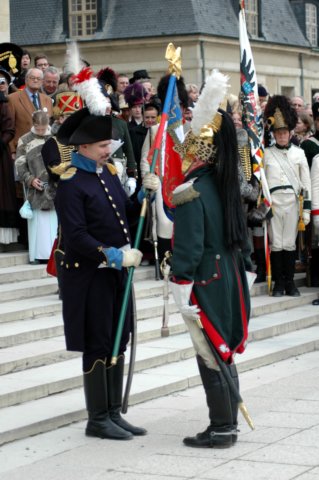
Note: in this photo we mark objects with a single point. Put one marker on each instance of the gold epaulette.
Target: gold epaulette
(69, 173)
(61, 168)
(185, 193)
(112, 168)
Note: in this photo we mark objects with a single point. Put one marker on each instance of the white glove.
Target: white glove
(130, 186)
(306, 217)
(151, 182)
(132, 258)
(181, 294)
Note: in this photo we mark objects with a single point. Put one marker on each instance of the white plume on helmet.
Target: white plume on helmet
(207, 105)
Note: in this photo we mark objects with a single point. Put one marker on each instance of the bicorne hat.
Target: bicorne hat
(10, 57)
(82, 127)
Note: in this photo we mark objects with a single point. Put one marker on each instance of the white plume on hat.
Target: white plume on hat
(90, 90)
(207, 105)
(73, 63)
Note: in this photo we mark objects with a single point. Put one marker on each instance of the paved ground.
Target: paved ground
(283, 400)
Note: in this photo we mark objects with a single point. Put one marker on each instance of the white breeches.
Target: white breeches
(284, 223)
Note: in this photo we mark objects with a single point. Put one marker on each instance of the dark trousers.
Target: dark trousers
(104, 302)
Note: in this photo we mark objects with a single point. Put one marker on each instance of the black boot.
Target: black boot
(114, 375)
(100, 424)
(233, 402)
(260, 261)
(289, 272)
(277, 273)
(219, 434)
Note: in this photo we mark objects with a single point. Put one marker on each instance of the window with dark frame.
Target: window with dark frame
(251, 15)
(82, 18)
(311, 24)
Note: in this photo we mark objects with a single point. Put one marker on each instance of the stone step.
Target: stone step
(152, 352)
(13, 258)
(48, 285)
(56, 410)
(19, 273)
(28, 289)
(22, 356)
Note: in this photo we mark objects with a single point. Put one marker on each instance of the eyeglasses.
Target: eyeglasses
(42, 64)
(38, 79)
(3, 81)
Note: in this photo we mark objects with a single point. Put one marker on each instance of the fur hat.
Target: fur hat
(181, 89)
(279, 113)
(108, 78)
(135, 94)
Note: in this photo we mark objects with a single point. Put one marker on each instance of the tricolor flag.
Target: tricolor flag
(168, 163)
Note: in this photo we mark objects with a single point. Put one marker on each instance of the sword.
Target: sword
(132, 355)
(227, 377)
(165, 269)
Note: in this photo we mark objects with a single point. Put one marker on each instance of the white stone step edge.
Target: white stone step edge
(46, 414)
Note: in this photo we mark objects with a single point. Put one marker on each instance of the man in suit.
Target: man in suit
(24, 102)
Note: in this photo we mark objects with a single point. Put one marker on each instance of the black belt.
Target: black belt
(282, 187)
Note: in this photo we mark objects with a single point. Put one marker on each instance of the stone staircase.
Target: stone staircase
(41, 383)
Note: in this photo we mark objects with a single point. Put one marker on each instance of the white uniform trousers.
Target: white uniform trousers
(284, 223)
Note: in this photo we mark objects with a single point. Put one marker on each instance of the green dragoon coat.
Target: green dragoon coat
(200, 254)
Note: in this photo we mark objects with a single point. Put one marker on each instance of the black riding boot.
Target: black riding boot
(260, 264)
(114, 375)
(234, 404)
(289, 272)
(219, 434)
(277, 273)
(99, 423)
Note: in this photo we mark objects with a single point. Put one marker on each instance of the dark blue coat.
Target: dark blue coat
(94, 213)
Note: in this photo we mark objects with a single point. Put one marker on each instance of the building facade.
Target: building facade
(129, 35)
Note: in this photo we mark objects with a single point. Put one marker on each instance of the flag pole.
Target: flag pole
(174, 58)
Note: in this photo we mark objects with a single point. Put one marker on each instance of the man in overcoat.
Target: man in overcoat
(95, 215)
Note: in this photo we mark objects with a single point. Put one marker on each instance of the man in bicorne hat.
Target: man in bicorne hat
(95, 216)
(288, 178)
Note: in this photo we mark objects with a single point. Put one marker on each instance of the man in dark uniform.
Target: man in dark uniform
(95, 213)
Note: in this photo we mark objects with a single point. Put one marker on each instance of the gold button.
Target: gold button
(121, 222)
(106, 189)
(67, 265)
(62, 262)
(102, 181)
(76, 265)
(104, 262)
(215, 275)
(217, 257)
(125, 231)
(113, 205)
(127, 238)
(111, 198)
(117, 213)
(203, 282)
(113, 265)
